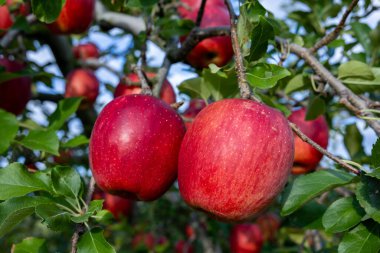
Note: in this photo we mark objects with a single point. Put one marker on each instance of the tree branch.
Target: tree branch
(145, 88)
(200, 13)
(335, 33)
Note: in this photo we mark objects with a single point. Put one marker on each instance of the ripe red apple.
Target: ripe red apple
(14, 93)
(306, 157)
(187, 7)
(196, 105)
(269, 224)
(86, 51)
(17, 7)
(82, 83)
(183, 247)
(124, 88)
(118, 206)
(246, 238)
(238, 150)
(75, 17)
(134, 147)
(217, 50)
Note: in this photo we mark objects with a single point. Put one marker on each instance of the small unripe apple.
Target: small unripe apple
(14, 93)
(195, 106)
(239, 150)
(246, 238)
(269, 224)
(86, 51)
(183, 247)
(306, 157)
(75, 17)
(82, 83)
(134, 147)
(118, 206)
(124, 88)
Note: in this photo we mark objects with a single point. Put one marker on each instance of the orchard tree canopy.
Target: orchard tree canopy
(189, 126)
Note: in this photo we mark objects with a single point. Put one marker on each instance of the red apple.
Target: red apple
(306, 157)
(118, 206)
(246, 238)
(15, 6)
(167, 92)
(75, 17)
(5, 19)
(65, 157)
(14, 93)
(134, 147)
(269, 224)
(238, 150)
(86, 51)
(217, 50)
(196, 105)
(82, 83)
(183, 247)
(190, 232)
(187, 7)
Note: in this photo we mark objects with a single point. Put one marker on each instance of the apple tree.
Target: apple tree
(189, 126)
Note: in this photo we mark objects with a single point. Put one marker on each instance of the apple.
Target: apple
(82, 83)
(86, 51)
(196, 105)
(65, 157)
(118, 206)
(6, 19)
(183, 247)
(14, 93)
(187, 7)
(134, 147)
(217, 50)
(269, 224)
(306, 157)
(189, 231)
(246, 238)
(75, 17)
(167, 92)
(238, 150)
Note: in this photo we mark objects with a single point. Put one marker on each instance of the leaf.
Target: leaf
(55, 218)
(265, 76)
(355, 69)
(16, 181)
(42, 140)
(353, 140)
(297, 83)
(194, 88)
(307, 187)
(365, 238)
(362, 32)
(94, 207)
(8, 130)
(47, 11)
(94, 242)
(221, 84)
(259, 39)
(316, 107)
(76, 141)
(368, 195)
(65, 108)
(13, 211)
(30, 245)
(375, 154)
(308, 216)
(174, 27)
(66, 181)
(375, 173)
(342, 215)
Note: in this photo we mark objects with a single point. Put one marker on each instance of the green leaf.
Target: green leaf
(362, 32)
(265, 76)
(47, 11)
(30, 245)
(76, 141)
(94, 207)
(66, 181)
(307, 187)
(174, 27)
(16, 181)
(194, 88)
(8, 130)
(316, 107)
(65, 109)
(368, 195)
(221, 84)
(365, 238)
(259, 39)
(342, 215)
(55, 218)
(375, 173)
(104, 217)
(308, 216)
(353, 140)
(375, 155)
(298, 82)
(42, 140)
(13, 211)
(94, 242)
(355, 69)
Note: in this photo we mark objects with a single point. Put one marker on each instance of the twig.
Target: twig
(145, 88)
(176, 105)
(245, 91)
(200, 13)
(12, 34)
(322, 150)
(335, 33)
(162, 74)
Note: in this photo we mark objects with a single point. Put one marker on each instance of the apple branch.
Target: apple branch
(145, 88)
(200, 13)
(245, 91)
(335, 33)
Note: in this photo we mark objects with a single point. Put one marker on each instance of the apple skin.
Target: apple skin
(239, 150)
(134, 147)
(269, 224)
(118, 206)
(75, 17)
(194, 5)
(167, 92)
(217, 50)
(14, 93)
(196, 105)
(86, 51)
(306, 157)
(82, 83)
(183, 247)
(246, 238)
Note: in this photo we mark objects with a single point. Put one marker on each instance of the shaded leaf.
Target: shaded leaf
(353, 140)
(368, 195)
(30, 245)
(265, 76)
(316, 107)
(8, 130)
(66, 181)
(259, 39)
(65, 108)
(54, 218)
(47, 11)
(94, 242)
(375, 154)
(42, 140)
